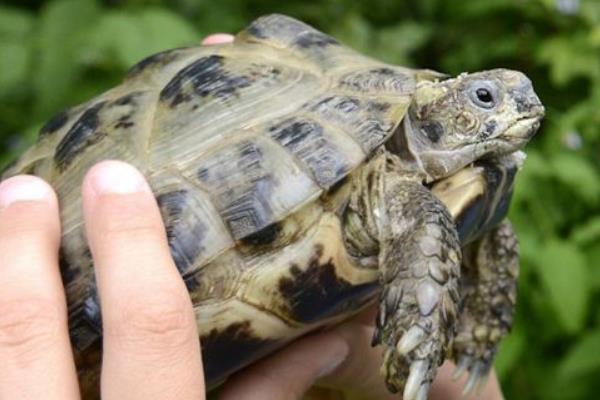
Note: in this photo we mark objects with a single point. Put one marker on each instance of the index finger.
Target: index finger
(151, 345)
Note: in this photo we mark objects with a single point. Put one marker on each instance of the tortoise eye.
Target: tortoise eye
(483, 95)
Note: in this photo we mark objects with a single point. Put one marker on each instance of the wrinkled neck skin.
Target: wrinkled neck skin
(418, 157)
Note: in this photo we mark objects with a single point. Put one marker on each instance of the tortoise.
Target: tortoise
(297, 180)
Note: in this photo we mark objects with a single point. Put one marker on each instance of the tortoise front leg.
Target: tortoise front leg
(489, 289)
(420, 268)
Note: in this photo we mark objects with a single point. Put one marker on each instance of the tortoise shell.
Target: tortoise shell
(248, 147)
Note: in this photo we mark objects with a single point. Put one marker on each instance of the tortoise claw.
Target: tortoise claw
(423, 392)
(478, 374)
(463, 365)
(416, 379)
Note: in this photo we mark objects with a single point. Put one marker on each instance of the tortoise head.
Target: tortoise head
(454, 122)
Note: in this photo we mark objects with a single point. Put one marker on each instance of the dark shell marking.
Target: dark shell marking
(91, 310)
(317, 292)
(242, 186)
(81, 135)
(263, 237)
(364, 121)
(54, 124)
(315, 39)
(306, 140)
(68, 271)
(92, 126)
(209, 76)
(226, 351)
(379, 80)
(289, 32)
(185, 230)
(158, 59)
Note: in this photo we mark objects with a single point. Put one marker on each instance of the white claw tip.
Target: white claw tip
(418, 370)
(460, 369)
(474, 379)
(423, 392)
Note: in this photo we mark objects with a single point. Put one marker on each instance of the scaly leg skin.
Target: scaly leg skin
(420, 268)
(489, 287)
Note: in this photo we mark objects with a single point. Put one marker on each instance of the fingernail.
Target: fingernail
(217, 38)
(334, 361)
(116, 177)
(23, 188)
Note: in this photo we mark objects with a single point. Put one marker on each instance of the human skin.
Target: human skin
(150, 345)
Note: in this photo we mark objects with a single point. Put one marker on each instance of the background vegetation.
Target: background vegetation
(60, 52)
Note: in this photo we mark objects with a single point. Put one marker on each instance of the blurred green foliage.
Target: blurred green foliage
(57, 53)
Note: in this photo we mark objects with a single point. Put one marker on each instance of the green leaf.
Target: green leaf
(561, 266)
(14, 23)
(131, 37)
(579, 175)
(587, 233)
(510, 350)
(63, 28)
(355, 31)
(396, 43)
(536, 164)
(583, 357)
(593, 257)
(569, 57)
(14, 63)
(118, 38)
(164, 30)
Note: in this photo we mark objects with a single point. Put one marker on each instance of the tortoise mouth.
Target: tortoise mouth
(516, 136)
(523, 129)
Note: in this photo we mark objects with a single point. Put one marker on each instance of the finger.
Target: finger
(36, 358)
(151, 347)
(359, 373)
(289, 373)
(217, 38)
(445, 387)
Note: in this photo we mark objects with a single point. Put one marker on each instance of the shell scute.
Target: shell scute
(367, 121)
(282, 31)
(323, 150)
(204, 77)
(380, 80)
(195, 232)
(253, 183)
(155, 62)
(185, 231)
(81, 135)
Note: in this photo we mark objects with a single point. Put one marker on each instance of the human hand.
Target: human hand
(150, 344)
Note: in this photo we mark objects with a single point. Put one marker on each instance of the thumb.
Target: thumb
(289, 373)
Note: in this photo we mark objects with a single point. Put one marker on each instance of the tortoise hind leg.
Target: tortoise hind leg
(420, 267)
(489, 286)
